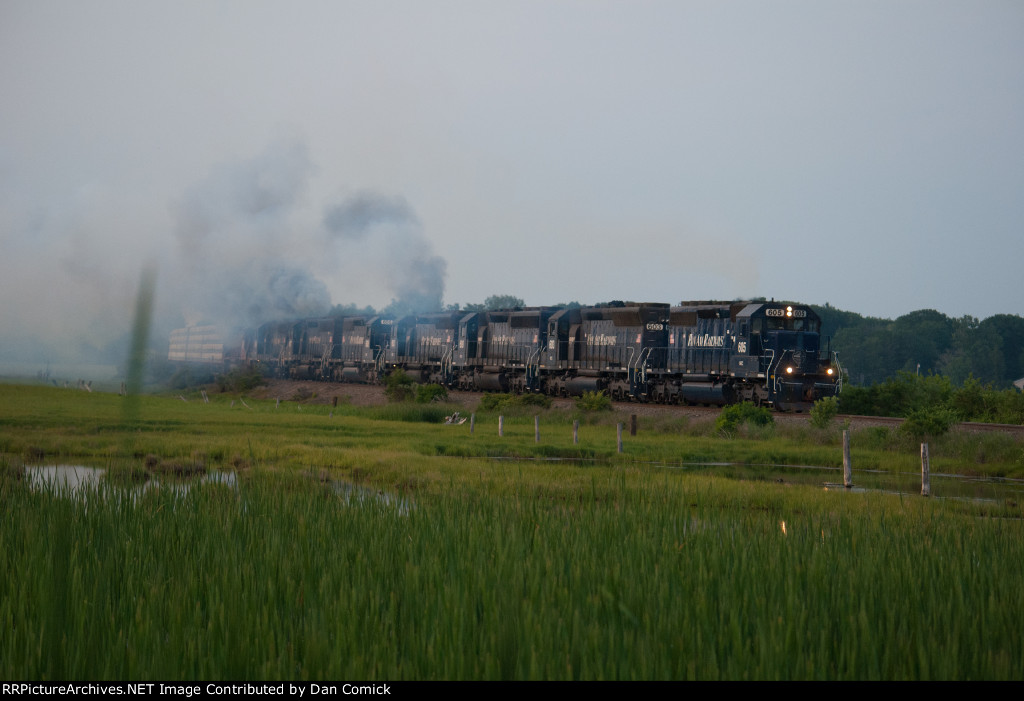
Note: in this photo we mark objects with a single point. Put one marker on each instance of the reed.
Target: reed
(453, 567)
(620, 576)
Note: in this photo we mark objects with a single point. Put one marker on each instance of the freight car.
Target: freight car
(767, 353)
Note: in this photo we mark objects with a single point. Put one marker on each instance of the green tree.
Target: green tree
(503, 302)
(976, 350)
(1009, 328)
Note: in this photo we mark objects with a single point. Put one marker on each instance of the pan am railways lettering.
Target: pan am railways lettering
(697, 340)
(601, 339)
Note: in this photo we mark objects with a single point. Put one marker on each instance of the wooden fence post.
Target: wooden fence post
(618, 433)
(472, 422)
(926, 479)
(576, 432)
(501, 426)
(632, 424)
(536, 428)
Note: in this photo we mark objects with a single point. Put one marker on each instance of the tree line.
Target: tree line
(927, 342)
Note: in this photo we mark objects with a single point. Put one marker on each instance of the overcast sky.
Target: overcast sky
(273, 157)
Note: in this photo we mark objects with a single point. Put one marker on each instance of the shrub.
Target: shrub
(736, 414)
(431, 393)
(928, 422)
(495, 402)
(398, 386)
(824, 412)
(240, 380)
(594, 401)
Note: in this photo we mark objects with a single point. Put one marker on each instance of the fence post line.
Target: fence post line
(576, 432)
(847, 464)
(926, 478)
(618, 433)
(501, 426)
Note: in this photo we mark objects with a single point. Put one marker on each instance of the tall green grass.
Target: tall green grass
(619, 576)
(605, 567)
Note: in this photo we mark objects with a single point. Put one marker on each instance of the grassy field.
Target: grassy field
(485, 558)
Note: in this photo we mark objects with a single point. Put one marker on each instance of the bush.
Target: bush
(594, 401)
(431, 393)
(398, 386)
(824, 412)
(928, 422)
(240, 380)
(496, 402)
(897, 396)
(736, 414)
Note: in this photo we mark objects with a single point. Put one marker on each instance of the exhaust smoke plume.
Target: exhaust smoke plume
(248, 258)
(243, 246)
(385, 232)
(240, 260)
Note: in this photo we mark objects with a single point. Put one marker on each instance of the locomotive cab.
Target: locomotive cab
(779, 345)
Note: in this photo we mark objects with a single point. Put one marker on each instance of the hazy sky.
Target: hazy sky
(274, 157)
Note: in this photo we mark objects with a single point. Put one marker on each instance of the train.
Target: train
(702, 352)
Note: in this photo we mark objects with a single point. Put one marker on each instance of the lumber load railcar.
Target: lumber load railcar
(215, 347)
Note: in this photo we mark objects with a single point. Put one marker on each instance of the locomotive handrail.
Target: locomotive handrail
(642, 363)
(447, 363)
(325, 361)
(769, 355)
(778, 377)
(839, 371)
(532, 368)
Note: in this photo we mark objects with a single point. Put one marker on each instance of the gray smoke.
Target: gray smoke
(248, 258)
(244, 246)
(355, 217)
(386, 233)
(241, 260)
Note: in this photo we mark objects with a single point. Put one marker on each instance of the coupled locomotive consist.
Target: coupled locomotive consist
(767, 353)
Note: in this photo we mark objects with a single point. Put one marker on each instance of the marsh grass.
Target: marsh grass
(600, 566)
(608, 575)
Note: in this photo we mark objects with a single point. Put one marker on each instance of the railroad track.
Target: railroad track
(374, 394)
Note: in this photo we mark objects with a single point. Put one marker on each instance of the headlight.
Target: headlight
(789, 370)
(828, 372)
